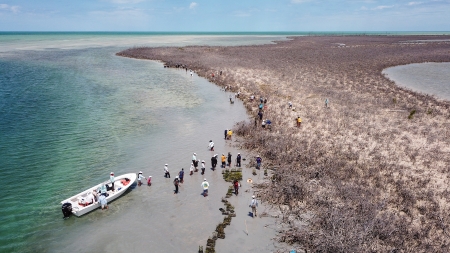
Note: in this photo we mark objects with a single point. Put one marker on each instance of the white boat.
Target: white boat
(121, 184)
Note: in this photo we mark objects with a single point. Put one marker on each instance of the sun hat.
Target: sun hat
(239, 153)
(203, 161)
(253, 196)
(140, 172)
(112, 173)
(195, 154)
(176, 177)
(204, 179)
(149, 176)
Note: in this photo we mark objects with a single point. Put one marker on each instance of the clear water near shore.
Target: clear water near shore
(431, 78)
(71, 112)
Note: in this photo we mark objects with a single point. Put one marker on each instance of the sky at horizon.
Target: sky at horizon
(231, 15)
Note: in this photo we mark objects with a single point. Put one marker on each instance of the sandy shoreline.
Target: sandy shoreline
(370, 173)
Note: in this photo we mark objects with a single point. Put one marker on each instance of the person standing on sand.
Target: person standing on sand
(205, 186)
(238, 160)
(229, 159)
(176, 182)
(214, 161)
(299, 121)
(326, 102)
(225, 133)
(290, 105)
(223, 158)
(260, 114)
(254, 205)
(181, 175)
(258, 162)
(236, 187)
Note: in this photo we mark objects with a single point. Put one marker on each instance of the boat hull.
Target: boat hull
(120, 188)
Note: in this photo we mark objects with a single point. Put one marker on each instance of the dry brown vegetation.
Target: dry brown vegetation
(360, 176)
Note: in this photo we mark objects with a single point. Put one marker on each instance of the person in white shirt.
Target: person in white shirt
(211, 145)
(166, 171)
(89, 198)
(254, 205)
(111, 179)
(191, 169)
(205, 186)
(140, 177)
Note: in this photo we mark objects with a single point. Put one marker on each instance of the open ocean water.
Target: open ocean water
(71, 112)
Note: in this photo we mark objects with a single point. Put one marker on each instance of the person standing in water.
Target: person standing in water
(203, 167)
(238, 160)
(181, 175)
(103, 202)
(229, 159)
(112, 180)
(166, 171)
(149, 181)
(191, 169)
(140, 177)
(214, 161)
(223, 158)
(254, 205)
(194, 158)
(205, 187)
(211, 145)
(176, 182)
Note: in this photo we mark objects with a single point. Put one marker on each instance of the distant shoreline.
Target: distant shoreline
(370, 171)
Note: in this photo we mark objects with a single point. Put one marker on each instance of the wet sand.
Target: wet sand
(368, 173)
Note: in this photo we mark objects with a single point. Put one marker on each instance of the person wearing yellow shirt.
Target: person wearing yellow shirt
(229, 134)
(223, 160)
(299, 121)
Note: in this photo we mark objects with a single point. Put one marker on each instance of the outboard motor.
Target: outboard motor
(66, 209)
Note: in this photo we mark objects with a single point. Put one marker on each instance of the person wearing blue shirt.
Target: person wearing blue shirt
(103, 202)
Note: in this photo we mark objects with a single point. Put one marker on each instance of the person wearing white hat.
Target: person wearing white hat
(176, 182)
(112, 180)
(166, 171)
(203, 167)
(258, 162)
(140, 177)
(205, 186)
(254, 205)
